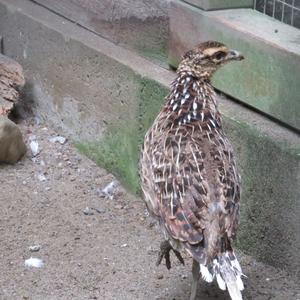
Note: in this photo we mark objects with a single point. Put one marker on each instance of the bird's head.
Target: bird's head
(206, 58)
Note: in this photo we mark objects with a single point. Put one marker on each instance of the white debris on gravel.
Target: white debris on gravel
(34, 262)
(34, 248)
(58, 139)
(109, 190)
(34, 146)
(41, 177)
(88, 211)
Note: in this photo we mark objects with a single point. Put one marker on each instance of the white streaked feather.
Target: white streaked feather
(221, 282)
(202, 116)
(239, 283)
(236, 264)
(206, 275)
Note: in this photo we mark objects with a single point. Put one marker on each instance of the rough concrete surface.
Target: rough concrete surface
(139, 25)
(112, 10)
(105, 97)
(105, 252)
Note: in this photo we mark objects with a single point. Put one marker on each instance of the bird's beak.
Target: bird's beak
(235, 55)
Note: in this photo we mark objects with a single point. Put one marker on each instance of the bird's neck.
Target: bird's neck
(192, 100)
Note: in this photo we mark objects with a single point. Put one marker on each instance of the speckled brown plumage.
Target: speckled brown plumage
(188, 172)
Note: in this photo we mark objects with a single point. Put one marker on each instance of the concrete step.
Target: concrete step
(130, 23)
(105, 97)
(216, 4)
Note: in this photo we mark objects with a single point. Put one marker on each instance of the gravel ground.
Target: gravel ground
(107, 251)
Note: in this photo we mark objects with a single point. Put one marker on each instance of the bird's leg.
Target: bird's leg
(196, 276)
(165, 248)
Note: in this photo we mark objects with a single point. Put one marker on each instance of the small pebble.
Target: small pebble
(100, 210)
(59, 139)
(160, 276)
(87, 211)
(34, 248)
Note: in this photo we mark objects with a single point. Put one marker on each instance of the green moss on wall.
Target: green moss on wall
(119, 149)
(156, 54)
(270, 185)
(116, 152)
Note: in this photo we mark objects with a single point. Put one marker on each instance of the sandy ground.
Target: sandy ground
(109, 254)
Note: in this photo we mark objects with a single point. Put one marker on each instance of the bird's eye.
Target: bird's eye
(219, 55)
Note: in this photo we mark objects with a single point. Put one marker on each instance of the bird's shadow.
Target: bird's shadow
(205, 291)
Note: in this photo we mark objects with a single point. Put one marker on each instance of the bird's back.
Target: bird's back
(188, 172)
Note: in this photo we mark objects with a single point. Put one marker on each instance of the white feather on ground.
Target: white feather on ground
(34, 262)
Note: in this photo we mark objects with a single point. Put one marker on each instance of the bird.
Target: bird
(189, 176)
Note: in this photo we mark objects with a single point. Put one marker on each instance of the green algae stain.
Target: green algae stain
(119, 149)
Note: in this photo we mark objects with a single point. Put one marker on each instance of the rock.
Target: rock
(100, 210)
(12, 146)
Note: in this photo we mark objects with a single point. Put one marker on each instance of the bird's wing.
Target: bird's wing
(192, 185)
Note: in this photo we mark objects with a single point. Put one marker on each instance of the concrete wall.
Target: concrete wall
(136, 24)
(105, 97)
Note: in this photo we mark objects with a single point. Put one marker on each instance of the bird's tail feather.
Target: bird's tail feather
(227, 271)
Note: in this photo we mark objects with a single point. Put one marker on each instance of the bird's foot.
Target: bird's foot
(165, 248)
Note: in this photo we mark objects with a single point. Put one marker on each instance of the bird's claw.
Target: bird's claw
(164, 252)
